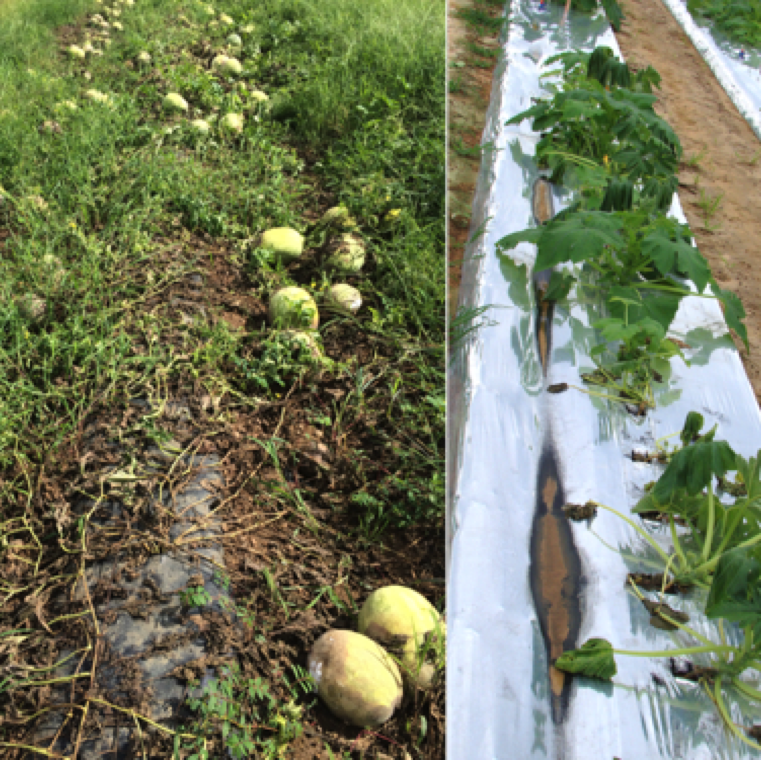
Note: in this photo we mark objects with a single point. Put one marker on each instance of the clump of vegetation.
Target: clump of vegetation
(602, 138)
(720, 554)
(739, 20)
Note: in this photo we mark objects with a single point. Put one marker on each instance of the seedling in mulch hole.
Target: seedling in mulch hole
(735, 597)
(685, 493)
(690, 433)
(195, 596)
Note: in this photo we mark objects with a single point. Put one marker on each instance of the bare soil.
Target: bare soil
(706, 121)
(470, 82)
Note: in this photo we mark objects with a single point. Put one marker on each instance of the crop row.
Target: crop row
(602, 138)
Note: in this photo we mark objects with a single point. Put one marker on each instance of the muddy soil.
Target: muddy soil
(470, 81)
(708, 124)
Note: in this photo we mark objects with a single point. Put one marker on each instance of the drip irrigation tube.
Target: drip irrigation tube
(523, 581)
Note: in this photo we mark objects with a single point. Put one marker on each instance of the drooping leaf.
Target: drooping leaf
(692, 427)
(510, 241)
(694, 467)
(614, 13)
(734, 312)
(619, 195)
(593, 659)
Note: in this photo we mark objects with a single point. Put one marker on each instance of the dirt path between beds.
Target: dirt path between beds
(708, 124)
(472, 57)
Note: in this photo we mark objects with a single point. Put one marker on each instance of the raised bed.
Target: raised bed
(737, 69)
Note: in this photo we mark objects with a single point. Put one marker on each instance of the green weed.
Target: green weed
(709, 206)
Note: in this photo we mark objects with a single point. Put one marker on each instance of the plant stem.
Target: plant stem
(719, 699)
(711, 520)
(639, 530)
(749, 691)
(677, 544)
(712, 649)
(711, 564)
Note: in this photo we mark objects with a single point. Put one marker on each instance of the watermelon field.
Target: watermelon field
(604, 427)
(222, 382)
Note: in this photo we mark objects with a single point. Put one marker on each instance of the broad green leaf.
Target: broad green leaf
(676, 256)
(691, 263)
(734, 312)
(593, 659)
(660, 249)
(735, 593)
(510, 241)
(574, 109)
(577, 237)
(660, 307)
(694, 467)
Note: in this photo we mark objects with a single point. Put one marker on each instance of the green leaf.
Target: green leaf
(676, 256)
(660, 249)
(594, 659)
(577, 237)
(660, 307)
(735, 593)
(692, 427)
(619, 195)
(560, 285)
(750, 470)
(575, 109)
(614, 13)
(510, 241)
(691, 263)
(694, 467)
(734, 312)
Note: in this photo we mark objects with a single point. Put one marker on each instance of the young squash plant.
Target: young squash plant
(721, 555)
(605, 113)
(644, 263)
(687, 493)
(602, 136)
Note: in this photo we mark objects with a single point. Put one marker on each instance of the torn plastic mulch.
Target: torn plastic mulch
(521, 581)
(739, 76)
